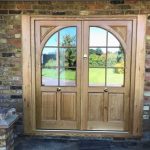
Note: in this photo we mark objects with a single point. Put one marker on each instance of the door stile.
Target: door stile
(128, 52)
(33, 68)
(37, 74)
(79, 73)
(133, 68)
(84, 81)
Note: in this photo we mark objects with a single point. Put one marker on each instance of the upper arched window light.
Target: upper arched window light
(59, 58)
(106, 59)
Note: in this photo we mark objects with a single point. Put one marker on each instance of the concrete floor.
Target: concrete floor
(68, 143)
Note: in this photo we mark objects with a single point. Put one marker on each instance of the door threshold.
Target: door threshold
(83, 133)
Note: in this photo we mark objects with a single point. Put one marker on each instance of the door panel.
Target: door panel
(95, 107)
(68, 106)
(116, 107)
(49, 106)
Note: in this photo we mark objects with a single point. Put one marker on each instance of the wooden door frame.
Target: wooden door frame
(136, 104)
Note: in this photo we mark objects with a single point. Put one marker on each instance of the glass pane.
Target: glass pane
(112, 40)
(53, 40)
(96, 76)
(50, 76)
(97, 36)
(49, 57)
(115, 57)
(97, 57)
(115, 76)
(68, 57)
(68, 37)
(68, 76)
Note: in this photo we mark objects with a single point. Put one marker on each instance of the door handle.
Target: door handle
(85, 56)
(105, 90)
(58, 89)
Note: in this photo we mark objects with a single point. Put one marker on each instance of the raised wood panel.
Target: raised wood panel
(95, 106)
(48, 106)
(45, 30)
(115, 108)
(68, 106)
(121, 30)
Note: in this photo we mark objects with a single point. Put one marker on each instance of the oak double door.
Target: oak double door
(82, 74)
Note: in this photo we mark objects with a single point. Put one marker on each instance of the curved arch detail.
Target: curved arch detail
(58, 57)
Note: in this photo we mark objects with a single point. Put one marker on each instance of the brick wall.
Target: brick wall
(10, 40)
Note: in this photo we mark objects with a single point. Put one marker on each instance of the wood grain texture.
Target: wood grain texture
(105, 126)
(68, 106)
(121, 30)
(95, 106)
(116, 107)
(48, 106)
(128, 121)
(26, 74)
(44, 30)
(139, 76)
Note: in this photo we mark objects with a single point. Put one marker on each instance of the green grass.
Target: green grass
(51, 63)
(97, 75)
(52, 73)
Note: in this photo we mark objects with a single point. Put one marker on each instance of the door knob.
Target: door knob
(58, 89)
(105, 90)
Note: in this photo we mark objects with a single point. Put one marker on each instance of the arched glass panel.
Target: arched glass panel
(112, 40)
(106, 59)
(68, 37)
(53, 41)
(97, 36)
(59, 58)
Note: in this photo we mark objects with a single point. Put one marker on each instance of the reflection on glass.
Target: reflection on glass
(97, 36)
(53, 40)
(115, 76)
(50, 76)
(68, 37)
(97, 57)
(104, 48)
(96, 76)
(67, 76)
(49, 57)
(68, 57)
(112, 40)
(115, 57)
